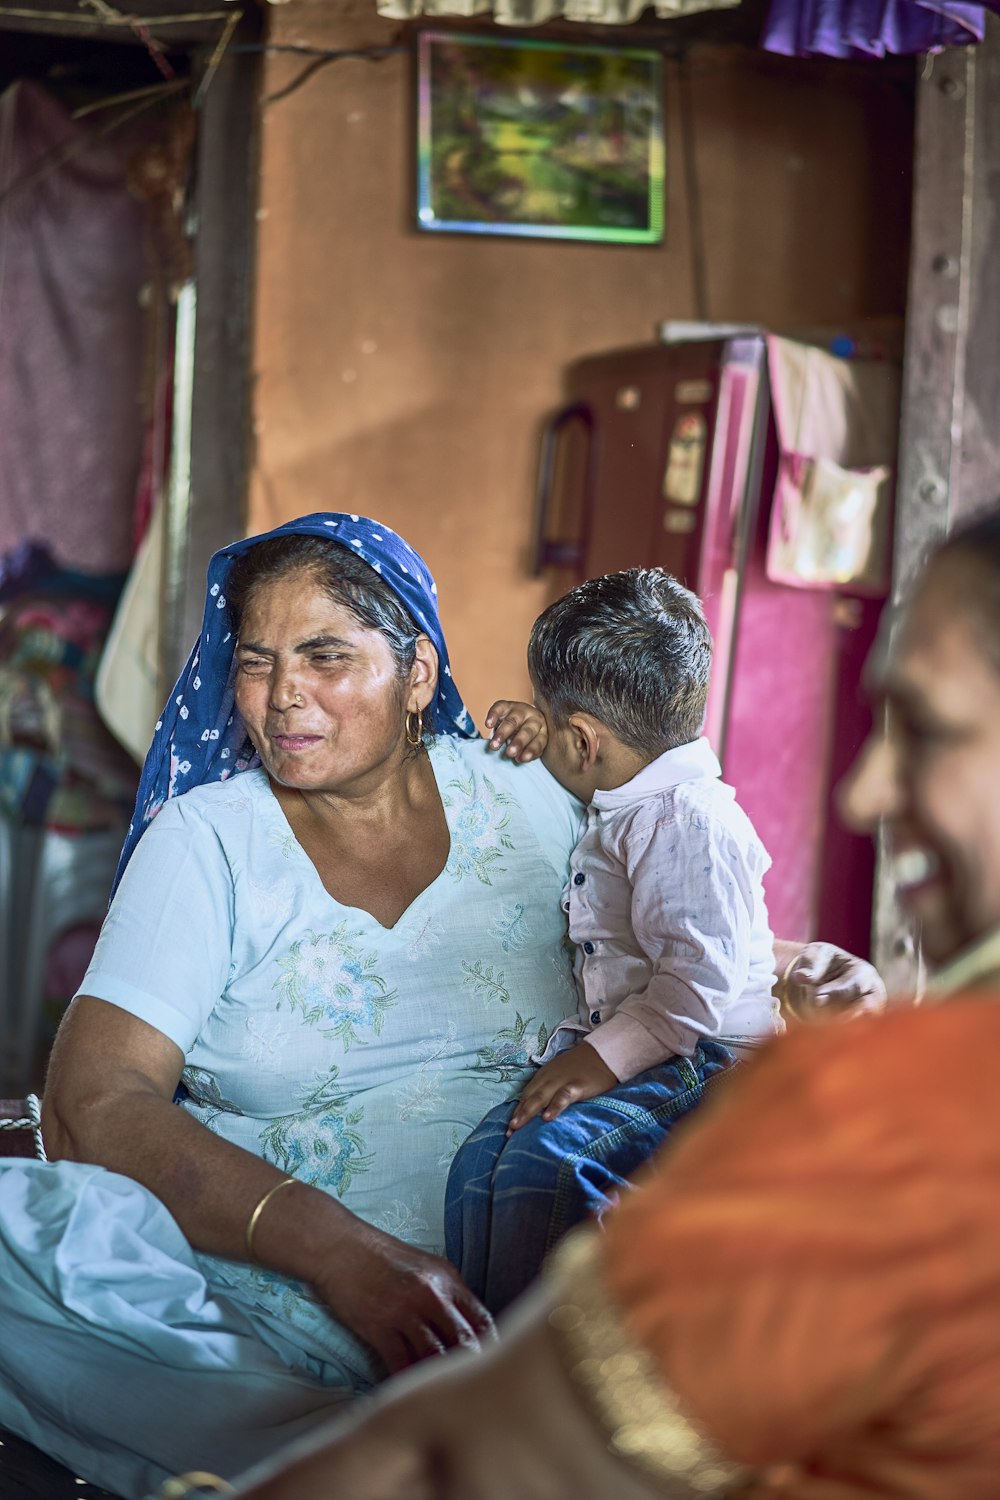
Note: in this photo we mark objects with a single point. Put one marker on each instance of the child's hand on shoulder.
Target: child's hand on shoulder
(579, 1073)
(519, 726)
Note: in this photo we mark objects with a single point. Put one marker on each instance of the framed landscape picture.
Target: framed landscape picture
(539, 138)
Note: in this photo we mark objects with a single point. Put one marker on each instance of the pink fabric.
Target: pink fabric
(71, 271)
(837, 422)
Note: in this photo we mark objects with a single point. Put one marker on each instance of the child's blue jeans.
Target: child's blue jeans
(509, 1201)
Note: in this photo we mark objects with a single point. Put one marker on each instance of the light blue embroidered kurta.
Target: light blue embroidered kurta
(352, 1056)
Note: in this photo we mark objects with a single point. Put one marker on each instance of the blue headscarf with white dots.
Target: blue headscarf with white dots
(200, 736)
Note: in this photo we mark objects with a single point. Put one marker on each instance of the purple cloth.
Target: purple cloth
(72, 266)
(871, 28)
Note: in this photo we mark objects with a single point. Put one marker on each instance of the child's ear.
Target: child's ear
(586, 740)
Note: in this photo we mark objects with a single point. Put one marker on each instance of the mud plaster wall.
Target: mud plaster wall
(404, 375)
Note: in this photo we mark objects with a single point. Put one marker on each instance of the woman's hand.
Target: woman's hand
(821, 982)
(508, 1424)
(519, 726)
(579, 1073)
(406, 1304)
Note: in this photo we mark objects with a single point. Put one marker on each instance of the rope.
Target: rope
(31, 1121)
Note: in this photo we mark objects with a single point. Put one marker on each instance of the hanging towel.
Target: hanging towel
(837, 422)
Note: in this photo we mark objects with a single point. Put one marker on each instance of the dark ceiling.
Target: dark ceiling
(80, 48)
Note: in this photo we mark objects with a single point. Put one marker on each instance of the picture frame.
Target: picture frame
(546, 139)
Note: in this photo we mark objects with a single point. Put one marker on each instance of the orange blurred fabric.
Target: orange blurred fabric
(815, 1263)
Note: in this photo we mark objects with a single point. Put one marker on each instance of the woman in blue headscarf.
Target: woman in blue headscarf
(322, 965)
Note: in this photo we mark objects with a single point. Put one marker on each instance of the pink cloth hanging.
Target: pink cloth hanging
(72, 268)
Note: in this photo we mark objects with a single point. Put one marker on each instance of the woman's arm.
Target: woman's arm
(509, 1423)
(108, 1100)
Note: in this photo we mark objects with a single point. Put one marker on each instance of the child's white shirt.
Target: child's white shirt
(666, 908)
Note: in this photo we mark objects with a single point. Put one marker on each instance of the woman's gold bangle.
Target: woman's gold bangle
(252, 1225)
(195, 1483)
(783, 997)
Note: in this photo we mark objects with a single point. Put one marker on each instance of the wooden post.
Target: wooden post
(949, 464)
(213, 405)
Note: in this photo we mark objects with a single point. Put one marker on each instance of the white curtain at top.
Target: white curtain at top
(534, 12)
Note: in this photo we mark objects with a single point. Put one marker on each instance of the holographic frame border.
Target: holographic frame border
(651, 233)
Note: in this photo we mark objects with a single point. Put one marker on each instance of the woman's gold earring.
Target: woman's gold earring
(414, 736)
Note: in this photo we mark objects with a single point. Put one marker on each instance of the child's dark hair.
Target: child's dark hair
(633, 650)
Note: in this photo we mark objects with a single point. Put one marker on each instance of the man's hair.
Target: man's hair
(633, 650)
(977, 543)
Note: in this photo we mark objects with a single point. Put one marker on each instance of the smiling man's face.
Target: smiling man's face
(933, 779)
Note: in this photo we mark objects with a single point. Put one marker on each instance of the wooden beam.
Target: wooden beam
(949, 464)
(174, 23)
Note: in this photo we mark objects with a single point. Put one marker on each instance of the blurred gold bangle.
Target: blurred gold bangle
(621, 1384)
(252, 1225)
(784, 999)
(192, 1484)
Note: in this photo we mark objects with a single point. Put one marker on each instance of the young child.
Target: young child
(665, 906)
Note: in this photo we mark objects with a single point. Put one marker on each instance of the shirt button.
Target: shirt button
(595, 1018)
(588, 947)
(579, 878)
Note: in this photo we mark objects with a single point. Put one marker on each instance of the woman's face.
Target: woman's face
(934, 778)
(320, 692)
